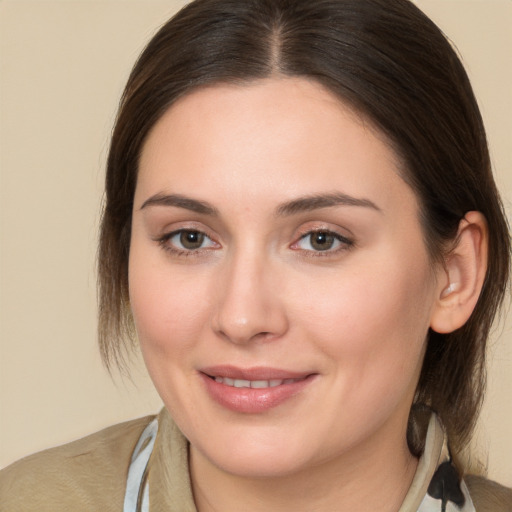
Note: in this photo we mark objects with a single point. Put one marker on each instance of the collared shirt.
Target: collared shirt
(110, 469)
(436, 486)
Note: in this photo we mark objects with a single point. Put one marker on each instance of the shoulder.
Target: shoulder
(88, 474)
(488, 496)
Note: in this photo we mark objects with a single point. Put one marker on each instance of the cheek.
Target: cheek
(373, 319)
(169, 308)
(373, 335)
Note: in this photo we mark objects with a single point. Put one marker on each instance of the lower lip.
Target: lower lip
(253, 400)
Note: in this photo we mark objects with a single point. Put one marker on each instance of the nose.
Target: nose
(249, 306)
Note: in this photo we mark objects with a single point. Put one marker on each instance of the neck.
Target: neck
(373, 476)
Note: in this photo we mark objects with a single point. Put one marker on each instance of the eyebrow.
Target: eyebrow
(317, 201)
(180, 201)
(299, 205)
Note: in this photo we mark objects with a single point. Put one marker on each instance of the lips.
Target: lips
(253, 390)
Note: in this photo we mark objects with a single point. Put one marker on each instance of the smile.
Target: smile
(255, 390)
(254, 384)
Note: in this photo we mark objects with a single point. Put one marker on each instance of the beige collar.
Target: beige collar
(435, 450)
(169, 480)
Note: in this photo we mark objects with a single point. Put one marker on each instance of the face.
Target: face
(279, 281)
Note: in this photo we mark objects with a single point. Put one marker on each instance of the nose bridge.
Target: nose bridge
(248, 306)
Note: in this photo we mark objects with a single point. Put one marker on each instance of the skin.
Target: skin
(258, 294)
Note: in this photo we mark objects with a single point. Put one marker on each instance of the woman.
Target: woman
(302, 227)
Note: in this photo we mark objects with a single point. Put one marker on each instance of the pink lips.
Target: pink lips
(252, 390)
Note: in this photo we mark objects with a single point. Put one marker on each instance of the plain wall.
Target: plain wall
(62, 68)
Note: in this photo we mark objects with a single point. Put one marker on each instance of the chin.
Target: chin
(248, 466)
(254, 457)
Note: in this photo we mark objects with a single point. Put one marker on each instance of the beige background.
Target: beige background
(62, 68)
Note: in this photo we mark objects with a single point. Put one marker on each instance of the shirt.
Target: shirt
(144, 463)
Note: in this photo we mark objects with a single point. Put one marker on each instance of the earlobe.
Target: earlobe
(464, 274)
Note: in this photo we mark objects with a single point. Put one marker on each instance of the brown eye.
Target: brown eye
(322, 241)
(185, 242)
(191, 239)
(328, 242)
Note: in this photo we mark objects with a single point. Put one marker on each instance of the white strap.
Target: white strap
(136, 498)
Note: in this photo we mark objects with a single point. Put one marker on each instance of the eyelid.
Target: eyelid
(345, 242)
(164, 241)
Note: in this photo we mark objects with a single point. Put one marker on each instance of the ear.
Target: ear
(460, 283)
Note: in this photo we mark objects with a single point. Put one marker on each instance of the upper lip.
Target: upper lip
(254, 373)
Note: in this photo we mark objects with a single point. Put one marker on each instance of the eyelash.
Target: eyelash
(166, 246)
(344, 243)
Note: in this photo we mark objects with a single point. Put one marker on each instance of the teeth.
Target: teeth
(259, 384)
(239, 383)
(255, 384)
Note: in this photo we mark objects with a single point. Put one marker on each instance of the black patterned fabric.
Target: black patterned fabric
(446, 492)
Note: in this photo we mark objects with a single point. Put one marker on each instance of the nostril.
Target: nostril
(242, 317)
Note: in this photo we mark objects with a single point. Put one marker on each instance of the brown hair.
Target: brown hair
(388, 61)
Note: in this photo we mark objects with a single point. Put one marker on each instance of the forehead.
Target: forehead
(276, 137)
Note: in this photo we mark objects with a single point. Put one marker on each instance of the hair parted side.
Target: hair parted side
(392, 64)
